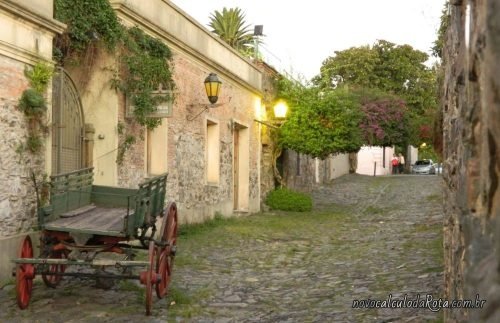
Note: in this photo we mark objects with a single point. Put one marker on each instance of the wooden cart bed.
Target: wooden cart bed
(92, 220)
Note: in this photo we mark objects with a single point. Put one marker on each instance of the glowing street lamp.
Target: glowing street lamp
(280, 110)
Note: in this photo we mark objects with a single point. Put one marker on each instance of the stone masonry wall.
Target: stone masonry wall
(299, 173)
(186, 185)
(17, 194)
(471, 106)
(268, 134)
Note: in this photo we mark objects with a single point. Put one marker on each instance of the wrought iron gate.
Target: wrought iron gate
(68, 124)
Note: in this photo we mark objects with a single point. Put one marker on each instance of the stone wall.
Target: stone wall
(268, 134)
(331, 168)
(187, 183)
(17, 196)
(187, 165)
(25, 39)
(471, 106)
(298, 171)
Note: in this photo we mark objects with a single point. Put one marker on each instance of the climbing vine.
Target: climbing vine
(32, 103)
(144, 71)
(144, 61)
(126, 142)
(89, 22)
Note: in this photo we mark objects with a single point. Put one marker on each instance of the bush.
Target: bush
(288, 200)
(32, 103)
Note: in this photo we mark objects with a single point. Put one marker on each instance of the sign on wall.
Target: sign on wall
(163, 110)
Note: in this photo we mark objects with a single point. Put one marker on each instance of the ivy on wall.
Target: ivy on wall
(88, 21)
(145, 66)
(33, 104)
(144, 61)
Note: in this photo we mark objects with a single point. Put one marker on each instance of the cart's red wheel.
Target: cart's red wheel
(150, 279)
(165, 261)
(54, 280)
(25, 273)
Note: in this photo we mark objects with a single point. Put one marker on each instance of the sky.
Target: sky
(299, 36)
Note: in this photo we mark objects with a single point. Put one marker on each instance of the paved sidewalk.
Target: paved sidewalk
(367, 238)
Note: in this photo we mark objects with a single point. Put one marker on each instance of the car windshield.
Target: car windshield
(423, 162)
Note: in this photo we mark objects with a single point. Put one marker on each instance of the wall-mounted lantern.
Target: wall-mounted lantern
(212, 87)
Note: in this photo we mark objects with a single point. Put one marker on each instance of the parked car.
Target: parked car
(424, 166)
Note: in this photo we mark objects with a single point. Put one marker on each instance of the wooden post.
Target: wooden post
(374, 168)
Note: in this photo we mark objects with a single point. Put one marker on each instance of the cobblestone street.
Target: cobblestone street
(367, 237)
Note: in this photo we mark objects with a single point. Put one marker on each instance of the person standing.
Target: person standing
(395, 164)
(401, 165)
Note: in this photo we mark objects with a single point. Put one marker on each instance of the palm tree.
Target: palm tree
(231, 27)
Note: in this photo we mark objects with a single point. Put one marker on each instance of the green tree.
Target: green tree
(321, 122)
(395, 69)
(355, 65)
(392, 69)
(230, 26)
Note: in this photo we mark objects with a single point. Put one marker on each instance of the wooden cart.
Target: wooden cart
(85, 220)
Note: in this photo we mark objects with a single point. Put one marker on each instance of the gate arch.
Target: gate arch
(68, 124)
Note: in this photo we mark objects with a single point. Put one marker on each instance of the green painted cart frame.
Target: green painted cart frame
(83, 220)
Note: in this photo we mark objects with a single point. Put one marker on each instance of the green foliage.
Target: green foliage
(320, 123)
(120, 128)
(144, 61)
(190, 230)
(32, 103)
(125, 145)
(324, 121)
(231, 27)
(34, 143)
(397, 70)
(428, 152)
(39, 76)
(437, 49)
(88, 21)
(355, 65)
(145, 65)
(288, 200)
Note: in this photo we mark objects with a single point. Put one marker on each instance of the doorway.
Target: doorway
(68, 125)
(241, 165)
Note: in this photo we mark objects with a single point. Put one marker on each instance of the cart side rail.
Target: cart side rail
(150, 200)
(66, 193)
(110, 196)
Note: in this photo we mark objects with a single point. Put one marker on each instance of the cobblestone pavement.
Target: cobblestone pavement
(367, 238)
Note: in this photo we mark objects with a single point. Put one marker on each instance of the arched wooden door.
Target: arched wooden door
(68, 125)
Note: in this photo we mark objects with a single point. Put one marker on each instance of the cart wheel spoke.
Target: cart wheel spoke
(165, 260)
(54, 280)
(25, 274)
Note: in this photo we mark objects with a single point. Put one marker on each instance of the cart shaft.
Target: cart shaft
(95, 262)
